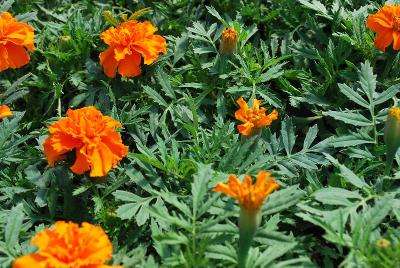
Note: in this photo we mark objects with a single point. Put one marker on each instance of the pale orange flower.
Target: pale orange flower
(129, 42)
(67, 245)
(228, 42)
(5, 111)
(386, 23)
(254, 118)
(98, 146)
(250, 196)
(14, 36)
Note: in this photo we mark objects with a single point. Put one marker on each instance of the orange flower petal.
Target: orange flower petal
(98, 147)
(110, 64)
(250, 196)
(5, 111)
(15, 36)
(130, 66)
(69, 245)
(253, 118)
(28, 261)
(129, 41)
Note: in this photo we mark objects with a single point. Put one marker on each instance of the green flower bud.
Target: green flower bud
(392, 136)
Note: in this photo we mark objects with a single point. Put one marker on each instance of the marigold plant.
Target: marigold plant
(67, 245)
(228, 43)
(98, 146)
(5, 111)
(386, 23)
(129, 42)
(15, 36)
(251, 197)
(253, 118)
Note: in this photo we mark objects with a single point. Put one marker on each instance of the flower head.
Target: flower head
(15, 36)
(228, 43)
(253, 118)
(5, 111)
(250, 196)
(383, 243)
(386, 23)
(98, 147)
(129, 42)
(67, 245)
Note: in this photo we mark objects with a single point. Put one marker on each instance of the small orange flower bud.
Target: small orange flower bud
(5, 111)
(228, 43)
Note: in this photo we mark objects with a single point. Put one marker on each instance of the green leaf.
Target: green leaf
(13, 226)
(367, 80)
(163, 79)
(155, 96)
(282, 199)
(347, 174)
(287, 135)
(387, 94)
(272, 253)
(199, 186)
(353, 95)
(336, 196)
(349, 117)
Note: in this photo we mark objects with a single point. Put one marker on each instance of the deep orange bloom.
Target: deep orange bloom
(5, 111)
(97, 145)
(386, 23)
(228, 43)
(14, 36)
(69, 246)
(128, 43)
(253, 118)
(250, 196)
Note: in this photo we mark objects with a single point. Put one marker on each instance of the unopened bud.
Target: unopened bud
(228, 43)
(392, 136)
(65, 43)
(382, 243)
(108, 15)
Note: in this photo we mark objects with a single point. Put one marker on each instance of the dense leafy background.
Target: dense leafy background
(313, 60)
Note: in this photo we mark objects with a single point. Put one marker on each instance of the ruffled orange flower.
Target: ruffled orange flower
(5, 111)
(128, 43)
(250, 196)
(14, 36)
(69, 246)
(98, 147)
(386, 23)
(228, 43)
(253, 118)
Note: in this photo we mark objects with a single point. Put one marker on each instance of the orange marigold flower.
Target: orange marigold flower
(97, 145)
(5, 111)
(386, 23)
(228, 43)
(128, 43)
(67, 245)
(253, 118)
(14, 36)
(250, 196)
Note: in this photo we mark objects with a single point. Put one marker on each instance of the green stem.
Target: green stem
(248, 223)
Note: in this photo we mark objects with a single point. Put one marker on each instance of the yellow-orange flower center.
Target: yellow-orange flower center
(395, 113)
(250, 196)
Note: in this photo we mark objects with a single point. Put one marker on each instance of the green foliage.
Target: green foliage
(314, 61)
